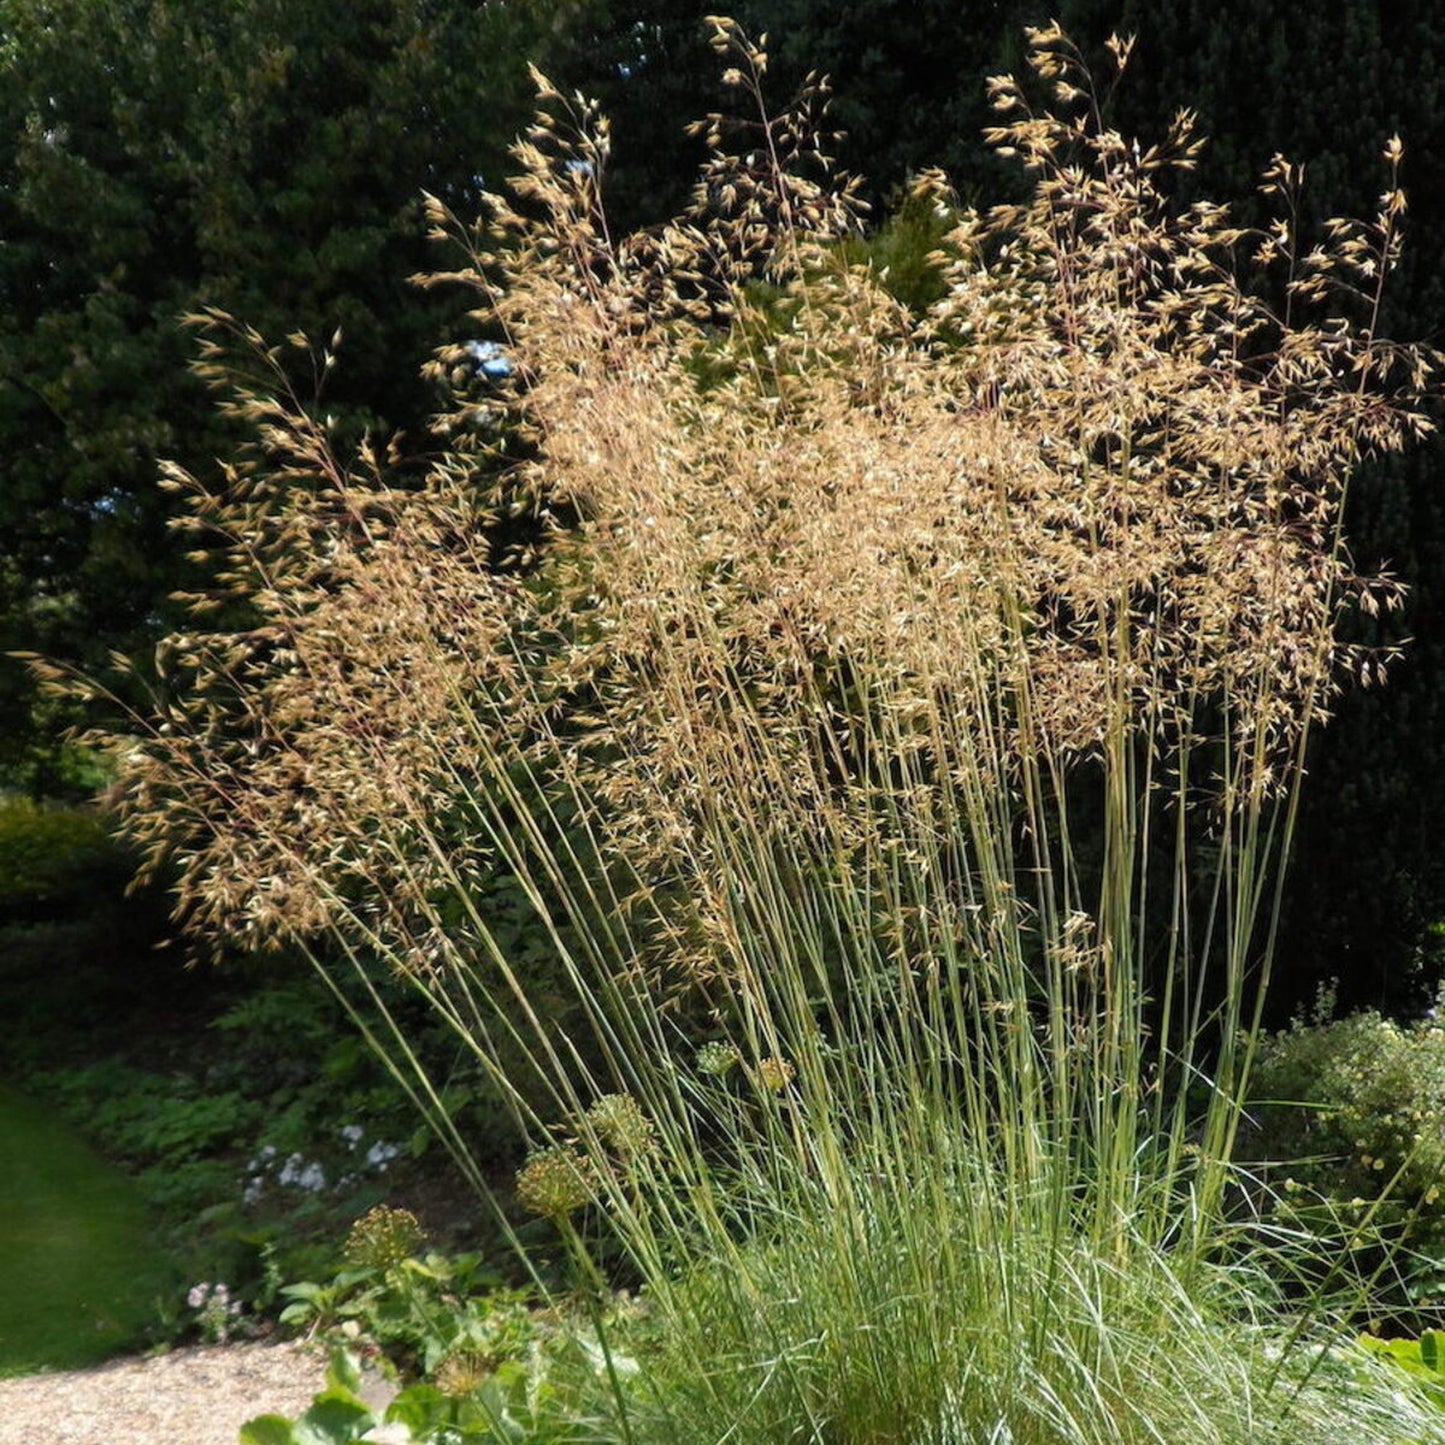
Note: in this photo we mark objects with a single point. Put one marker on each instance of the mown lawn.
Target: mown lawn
(79, 1271)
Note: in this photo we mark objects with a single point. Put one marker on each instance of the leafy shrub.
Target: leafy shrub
(157, 1118)
(1349, 1138)
(1424, 1358)
(178, 1138)
(482, 1366)
(52, 857)
(514, 1402)
(252, 1132)
(419, 1311)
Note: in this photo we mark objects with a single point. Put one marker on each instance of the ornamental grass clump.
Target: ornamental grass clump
(900, 715)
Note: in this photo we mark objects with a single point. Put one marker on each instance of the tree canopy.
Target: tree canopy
(157, 156)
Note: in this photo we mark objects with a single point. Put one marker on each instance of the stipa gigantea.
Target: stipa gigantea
(913, 707)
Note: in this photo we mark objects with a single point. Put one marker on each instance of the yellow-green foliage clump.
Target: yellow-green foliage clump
(1348, 1124)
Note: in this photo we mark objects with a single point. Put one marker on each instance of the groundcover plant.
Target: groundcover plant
(894, 724)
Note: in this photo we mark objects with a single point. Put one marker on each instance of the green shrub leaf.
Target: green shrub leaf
(344, 1374)
(335, 1417)
(268, 1430)
(420, 1408)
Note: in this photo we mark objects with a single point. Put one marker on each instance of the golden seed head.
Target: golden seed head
(464, 1372)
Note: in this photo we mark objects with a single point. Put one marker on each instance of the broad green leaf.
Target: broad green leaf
(334, 1418)
(268, 1430)
(420, 1408)
(344, 1374)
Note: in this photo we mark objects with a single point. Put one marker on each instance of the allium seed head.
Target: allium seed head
(383, 1237)
(554, 1182)
(717, 1059)
(775, 1075)
(621, 1125)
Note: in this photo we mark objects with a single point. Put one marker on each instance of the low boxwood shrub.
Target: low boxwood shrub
(78, 954)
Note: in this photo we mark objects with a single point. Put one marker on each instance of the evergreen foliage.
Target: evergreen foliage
(1325, 85)
(156, 157)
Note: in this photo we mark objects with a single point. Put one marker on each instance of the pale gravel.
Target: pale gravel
(197, 1396)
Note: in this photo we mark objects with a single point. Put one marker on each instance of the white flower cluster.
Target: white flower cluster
(491, 359)
(216, 1311)
(295, 1171)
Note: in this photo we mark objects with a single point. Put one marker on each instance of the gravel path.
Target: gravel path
(199, 1396)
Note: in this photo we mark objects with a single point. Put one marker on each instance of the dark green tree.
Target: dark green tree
(156, 156)
(908, 83)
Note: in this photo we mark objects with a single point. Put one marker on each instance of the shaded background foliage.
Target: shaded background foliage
(266, 156)
(159, 155)
(1326, 85)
